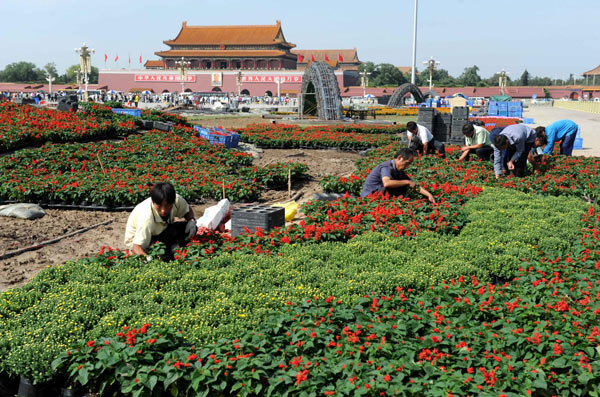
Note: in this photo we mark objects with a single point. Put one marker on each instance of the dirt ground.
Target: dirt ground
(18, 233)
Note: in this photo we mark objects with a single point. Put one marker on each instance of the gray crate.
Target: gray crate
(256, 216)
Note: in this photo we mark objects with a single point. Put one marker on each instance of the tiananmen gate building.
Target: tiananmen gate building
(254, 60)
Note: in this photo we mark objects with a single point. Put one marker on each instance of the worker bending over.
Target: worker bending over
(153, 220)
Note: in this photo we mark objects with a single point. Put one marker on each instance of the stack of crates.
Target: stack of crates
(129, 112)
(502, 109)
(218, 136)
(441, 127)
(493, 108)
(460, 117)
(256, 217)
(515, 109)
(426, 117)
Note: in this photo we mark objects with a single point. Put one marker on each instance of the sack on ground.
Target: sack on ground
(22, 211)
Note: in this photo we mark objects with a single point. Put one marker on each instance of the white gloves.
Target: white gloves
(190, 229)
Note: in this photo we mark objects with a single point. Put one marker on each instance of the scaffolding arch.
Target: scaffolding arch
(320, 95)
(397, 98)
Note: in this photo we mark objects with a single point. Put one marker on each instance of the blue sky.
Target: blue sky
(548, 37)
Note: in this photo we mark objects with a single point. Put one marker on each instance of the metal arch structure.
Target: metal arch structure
(320, 95)
(397, 98)
(430, 94)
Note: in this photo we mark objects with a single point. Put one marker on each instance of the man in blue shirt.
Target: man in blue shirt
(563, 131)
(513, 145)
(389, 177)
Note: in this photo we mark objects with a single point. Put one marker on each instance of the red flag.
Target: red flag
(105, 57)
(130, 59)
(340, 58)
(117, 58)
(326, 58)
(300, 58)
(140, 58)
(312, 58)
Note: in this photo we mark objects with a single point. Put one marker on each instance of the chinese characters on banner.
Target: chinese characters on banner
(270, 79)
(166, 78)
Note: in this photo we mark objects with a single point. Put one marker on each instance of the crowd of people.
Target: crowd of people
(134, 99)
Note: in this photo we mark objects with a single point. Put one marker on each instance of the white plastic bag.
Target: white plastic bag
(214, 215)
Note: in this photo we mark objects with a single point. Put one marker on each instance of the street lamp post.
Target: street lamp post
(182, 65)
(78, 79)
(85, 65)
(414, 55)
(364, 78)
(278, 81)
(238, 81)
(50, 79)
(502, 80)
(431, 65)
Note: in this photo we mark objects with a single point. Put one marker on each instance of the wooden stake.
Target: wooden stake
(100, 161)
(289, 182)
(223, 188)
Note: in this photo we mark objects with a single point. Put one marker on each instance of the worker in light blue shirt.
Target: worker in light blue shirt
(563, 131)
(513, 145)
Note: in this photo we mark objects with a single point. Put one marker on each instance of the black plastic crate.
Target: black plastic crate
(159, 125)
(256, 216)
(147, 124)
(460, 111)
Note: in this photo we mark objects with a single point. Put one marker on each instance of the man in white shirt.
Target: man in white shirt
(153, 221)
(421, 140)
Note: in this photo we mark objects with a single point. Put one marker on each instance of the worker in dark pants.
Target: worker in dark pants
(513, 146)
(421, 140)
(564, 132)
(390, 177)
(477, 141)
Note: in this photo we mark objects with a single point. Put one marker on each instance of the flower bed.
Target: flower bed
(227, 294)
(537, 335)
(113, 174)
(105, 112)
(572, 176)
(23, 125)
(351, 137)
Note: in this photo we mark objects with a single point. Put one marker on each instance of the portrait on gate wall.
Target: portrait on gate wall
(217, 79)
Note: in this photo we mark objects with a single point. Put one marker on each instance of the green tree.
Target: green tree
(50, 68)
(442, 78)
(368, 67)
(386, 74)
(470, 76)
(524, 78)
(22, 72)
(71, 75)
